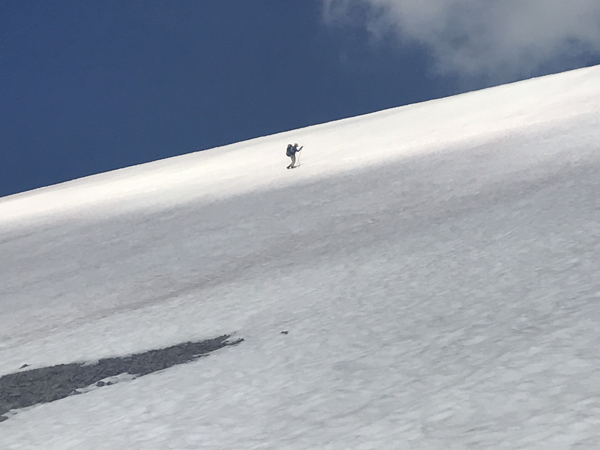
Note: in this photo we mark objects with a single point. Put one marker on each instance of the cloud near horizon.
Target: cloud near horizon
(496, 39)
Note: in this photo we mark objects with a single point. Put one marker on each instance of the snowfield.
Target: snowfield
(436, 268)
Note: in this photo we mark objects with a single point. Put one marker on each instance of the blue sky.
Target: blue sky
(87, 87)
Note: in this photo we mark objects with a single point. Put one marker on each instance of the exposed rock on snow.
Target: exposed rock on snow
(47, 384)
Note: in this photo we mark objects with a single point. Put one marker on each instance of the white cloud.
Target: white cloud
(493, 38)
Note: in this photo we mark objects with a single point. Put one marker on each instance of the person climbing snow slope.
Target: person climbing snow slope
(291, 152)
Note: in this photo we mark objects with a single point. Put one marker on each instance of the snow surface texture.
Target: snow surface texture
(435, 267)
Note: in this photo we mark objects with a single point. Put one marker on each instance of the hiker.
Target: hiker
(291, 152)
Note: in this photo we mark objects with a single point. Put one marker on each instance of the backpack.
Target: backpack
(290, 150)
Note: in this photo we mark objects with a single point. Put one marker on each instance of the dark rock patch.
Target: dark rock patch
(47, 384)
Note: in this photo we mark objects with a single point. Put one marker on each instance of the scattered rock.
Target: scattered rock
(23, 366)
(284, 332)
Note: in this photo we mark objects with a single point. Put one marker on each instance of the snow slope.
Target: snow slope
(435, 267)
